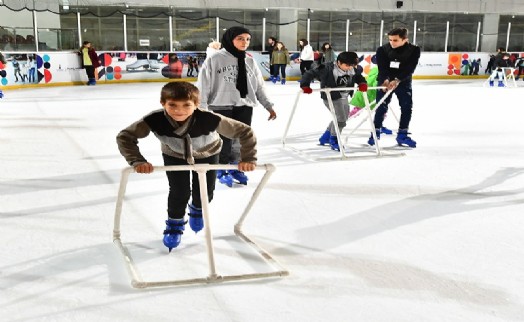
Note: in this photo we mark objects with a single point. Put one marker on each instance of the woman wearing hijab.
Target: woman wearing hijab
(231, 84)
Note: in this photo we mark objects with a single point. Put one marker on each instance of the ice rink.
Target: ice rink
(435, 235)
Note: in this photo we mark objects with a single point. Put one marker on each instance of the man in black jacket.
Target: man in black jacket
(396, 62)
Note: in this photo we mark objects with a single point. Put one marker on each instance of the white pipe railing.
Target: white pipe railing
(213, 277)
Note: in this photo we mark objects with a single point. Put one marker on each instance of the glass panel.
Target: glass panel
(516, 36)
(463, 32)
(147, 33)
(272, 28)
(193, 29)
(105, 30)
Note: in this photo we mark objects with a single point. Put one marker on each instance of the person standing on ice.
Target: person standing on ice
(90, 61)
(188, 135)
(231, 84)
(342, 73)
(397, 61)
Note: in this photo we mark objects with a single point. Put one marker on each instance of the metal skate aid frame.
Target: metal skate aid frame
(343, 154)
(213, 277)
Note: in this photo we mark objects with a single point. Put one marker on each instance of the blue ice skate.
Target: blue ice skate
(501, 84)
(195, 218)
(324, 139)
(283, 81)
(225, 178)
(173, 233)
(333, 143)
(371, 140)
(385, 130)
(1, 94)
(404, 139)
(491, 83)
(239, 176)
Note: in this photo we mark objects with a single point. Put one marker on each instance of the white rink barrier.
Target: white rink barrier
(343, 153)
(213, 277)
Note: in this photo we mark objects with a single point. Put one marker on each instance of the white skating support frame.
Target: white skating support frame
(508, 77)
(213, 277)
(343, 153)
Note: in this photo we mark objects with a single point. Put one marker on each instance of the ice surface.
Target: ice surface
(435, 235)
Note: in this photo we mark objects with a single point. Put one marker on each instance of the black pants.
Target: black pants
(305, 65)
(404, 94)
(239, 113)
(90, 71)
(280, 68)
(180, 187)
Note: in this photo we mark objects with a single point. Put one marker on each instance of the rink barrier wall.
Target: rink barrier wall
(64, 68)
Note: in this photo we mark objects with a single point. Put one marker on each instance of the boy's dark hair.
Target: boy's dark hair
(86, 42)
(401, 32)
(348, 58)
(180, 91)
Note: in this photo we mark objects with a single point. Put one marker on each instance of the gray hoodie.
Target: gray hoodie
(217, 83)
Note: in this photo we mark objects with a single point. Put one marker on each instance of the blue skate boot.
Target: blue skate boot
(333, 143)
(239, 176)
(501, 84)
(274, 79)
(404, 139)
(385, 130)
(196, 222)
(491, 83)
(1, 94)
(225, 178)
(173, 233)
(283, 81)
(371, 140)
(324, 139)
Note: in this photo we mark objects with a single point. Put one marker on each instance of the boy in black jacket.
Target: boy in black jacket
(342, 73)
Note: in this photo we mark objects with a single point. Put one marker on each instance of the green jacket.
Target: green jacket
(280, 57)
(358, 98)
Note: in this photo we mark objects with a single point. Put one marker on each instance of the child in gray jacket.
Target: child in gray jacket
(188, 135)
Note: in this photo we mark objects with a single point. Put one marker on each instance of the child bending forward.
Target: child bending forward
(188, 135)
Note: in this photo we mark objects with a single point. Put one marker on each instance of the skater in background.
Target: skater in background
(520, 65)
(397, 61)
(190, 66)
(489, 67)
(306, 57)
(271, 45)
(231, 84)
(90, 61)
(341, 73)
(501, 61)
(188, 135)
(327, 54)
(279, 61)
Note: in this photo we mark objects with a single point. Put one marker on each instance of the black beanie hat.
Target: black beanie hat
(348, 57)
(227, 44)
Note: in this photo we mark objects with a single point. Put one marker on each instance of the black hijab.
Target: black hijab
(227, 43)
